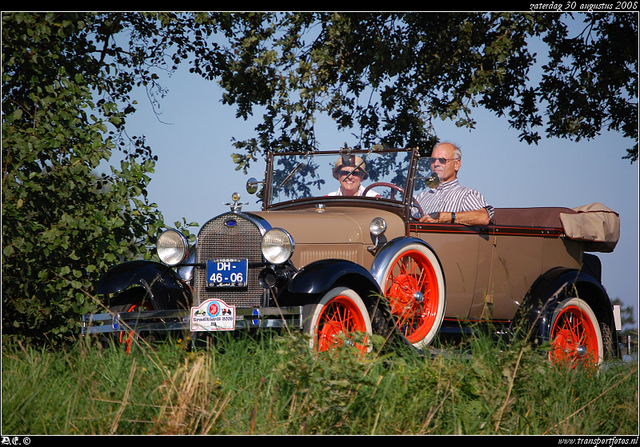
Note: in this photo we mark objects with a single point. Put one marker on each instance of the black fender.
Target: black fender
(313, 281)
(554, 286)
(162, 284)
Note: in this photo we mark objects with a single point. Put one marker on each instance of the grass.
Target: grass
(273, 385)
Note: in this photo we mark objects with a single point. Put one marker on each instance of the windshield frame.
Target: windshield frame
(399, 207)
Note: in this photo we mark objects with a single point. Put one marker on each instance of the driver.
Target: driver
(451, 202)
(349, 180)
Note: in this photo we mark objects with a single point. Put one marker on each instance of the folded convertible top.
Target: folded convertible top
(595, 225)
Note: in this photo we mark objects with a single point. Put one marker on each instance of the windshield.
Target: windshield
(428, 175)
(370, 175)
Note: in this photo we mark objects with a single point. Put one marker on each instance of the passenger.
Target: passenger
(350, 183)
(451, 202)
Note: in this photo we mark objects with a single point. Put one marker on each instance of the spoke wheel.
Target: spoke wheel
(335, 319)
(136, 305)
(575, 335)
(414, 289)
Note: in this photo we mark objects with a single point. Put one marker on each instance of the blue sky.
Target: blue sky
(195, 174)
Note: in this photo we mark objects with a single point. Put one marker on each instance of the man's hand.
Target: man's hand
(476, 218)
(435, 218)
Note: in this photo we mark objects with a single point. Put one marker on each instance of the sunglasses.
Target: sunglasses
(442, 160)
(344, 172)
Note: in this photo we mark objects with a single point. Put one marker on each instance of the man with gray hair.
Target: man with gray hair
(451, 202)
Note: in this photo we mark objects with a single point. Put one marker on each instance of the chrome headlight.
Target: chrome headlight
(277, 246)
(173, 247)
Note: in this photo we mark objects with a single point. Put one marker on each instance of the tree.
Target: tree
(63, 225)
(598, 87)
(388, 77)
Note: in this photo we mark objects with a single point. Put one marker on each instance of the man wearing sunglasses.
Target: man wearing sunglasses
(350, 171)
(451, 202)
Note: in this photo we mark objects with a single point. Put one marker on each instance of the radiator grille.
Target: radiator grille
(219, 241)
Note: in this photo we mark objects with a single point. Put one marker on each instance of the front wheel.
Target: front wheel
(415, 291)
(337, 317)
(132, 300)
(576, 337)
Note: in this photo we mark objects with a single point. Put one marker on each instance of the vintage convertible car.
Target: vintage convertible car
(334, 264)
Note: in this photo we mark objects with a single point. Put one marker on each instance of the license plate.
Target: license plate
(227, 273)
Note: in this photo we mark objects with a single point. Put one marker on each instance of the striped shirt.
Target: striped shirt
(452, 197)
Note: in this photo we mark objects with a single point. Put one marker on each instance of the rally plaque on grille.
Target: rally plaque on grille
(213, 315)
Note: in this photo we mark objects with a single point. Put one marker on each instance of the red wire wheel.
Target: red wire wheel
(414, 289)
(139, 306)
(339, 315)
(575, 335)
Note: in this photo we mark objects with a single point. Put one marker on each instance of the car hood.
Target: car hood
(336, 232)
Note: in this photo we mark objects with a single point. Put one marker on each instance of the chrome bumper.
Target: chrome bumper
(178, 320)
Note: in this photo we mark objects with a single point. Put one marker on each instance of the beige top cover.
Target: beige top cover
(594, 224)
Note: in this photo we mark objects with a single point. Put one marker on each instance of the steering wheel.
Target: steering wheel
(394, 188)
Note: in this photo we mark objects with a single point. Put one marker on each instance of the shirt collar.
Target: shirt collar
(448, 185)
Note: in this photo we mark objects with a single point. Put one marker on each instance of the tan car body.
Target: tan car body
(488, 270)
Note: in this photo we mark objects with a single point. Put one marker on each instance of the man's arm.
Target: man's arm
(470, 218)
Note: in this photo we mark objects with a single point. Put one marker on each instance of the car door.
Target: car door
(511, 261)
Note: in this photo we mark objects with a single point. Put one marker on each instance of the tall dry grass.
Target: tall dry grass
(273, 385)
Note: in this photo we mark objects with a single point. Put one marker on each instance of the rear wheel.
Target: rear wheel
(575, 337)
(414, 288)
(337, 317)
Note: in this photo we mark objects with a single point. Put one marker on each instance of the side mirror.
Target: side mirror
(252, 185)
(433, 180)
